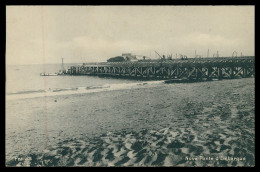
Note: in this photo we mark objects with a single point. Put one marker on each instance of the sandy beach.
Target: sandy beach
(185, 124)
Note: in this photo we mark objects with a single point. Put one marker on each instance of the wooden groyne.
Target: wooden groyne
(190, 69)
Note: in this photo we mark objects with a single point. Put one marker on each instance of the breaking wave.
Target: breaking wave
(77, 90)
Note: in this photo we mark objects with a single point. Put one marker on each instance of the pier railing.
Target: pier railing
(194, 68)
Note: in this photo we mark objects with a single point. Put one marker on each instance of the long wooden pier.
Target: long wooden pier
(191, 69)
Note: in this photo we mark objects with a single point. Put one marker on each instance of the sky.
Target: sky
(45, 34)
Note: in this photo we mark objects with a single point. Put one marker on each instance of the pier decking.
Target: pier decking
(191, 69)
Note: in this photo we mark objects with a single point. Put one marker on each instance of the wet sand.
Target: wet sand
(160, 125)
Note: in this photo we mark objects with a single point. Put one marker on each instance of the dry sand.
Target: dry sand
(159, 125)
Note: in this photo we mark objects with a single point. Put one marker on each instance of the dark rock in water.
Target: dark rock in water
(175, 144)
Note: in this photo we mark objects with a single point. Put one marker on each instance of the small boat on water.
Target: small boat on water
(48, 74)
(61, 72)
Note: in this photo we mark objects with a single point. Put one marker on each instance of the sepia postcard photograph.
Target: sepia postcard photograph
(130, 86)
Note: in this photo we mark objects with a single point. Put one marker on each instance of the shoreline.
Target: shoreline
(184, 108)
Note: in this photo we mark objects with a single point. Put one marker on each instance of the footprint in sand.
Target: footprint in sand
(175, 144)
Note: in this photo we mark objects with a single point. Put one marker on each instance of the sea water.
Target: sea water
(24, 81)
